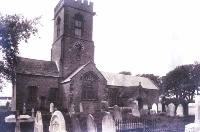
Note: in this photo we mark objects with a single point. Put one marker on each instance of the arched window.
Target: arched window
(78, 25)
(58, 26)
(89, 86)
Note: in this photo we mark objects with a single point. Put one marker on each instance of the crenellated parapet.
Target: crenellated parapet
(79, 4)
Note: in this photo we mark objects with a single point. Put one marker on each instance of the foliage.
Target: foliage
(182, 82)
(125, 72)
(13, 30)
(156, 79)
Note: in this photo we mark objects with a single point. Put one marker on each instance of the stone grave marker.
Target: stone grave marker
(91, 125)
(57, 122)
(117, 113)
(81, 107)
(171, 109)
(195, 127)
(145, 107)
(72, 110)
(108, 124)
(191, 108)
(179, 111)
(135, 110)
(51, 108)
(159, 107)
(155, 108)
(75, 124)
(38, 124)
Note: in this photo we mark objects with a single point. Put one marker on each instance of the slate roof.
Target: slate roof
(37, 67)
(114, 79)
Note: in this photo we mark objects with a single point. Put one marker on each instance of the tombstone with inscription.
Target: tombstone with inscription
(38, 124)
(57, 122)
(195, 127)
(108, 124)
(117, 113)
(179, 110)
(91, 125)
(171, 109)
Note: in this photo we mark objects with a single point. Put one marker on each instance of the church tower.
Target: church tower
(73, 45)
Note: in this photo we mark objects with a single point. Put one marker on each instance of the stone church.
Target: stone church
(71, 76)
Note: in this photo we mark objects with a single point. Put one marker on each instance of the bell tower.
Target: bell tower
(72, 45)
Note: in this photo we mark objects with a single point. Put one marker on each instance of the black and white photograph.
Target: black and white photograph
(99, 66)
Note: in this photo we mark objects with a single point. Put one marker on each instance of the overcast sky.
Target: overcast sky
(141, 36)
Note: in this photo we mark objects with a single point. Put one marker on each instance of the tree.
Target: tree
(13, 30)
(156, 79)
(182, 82)
(125, 72)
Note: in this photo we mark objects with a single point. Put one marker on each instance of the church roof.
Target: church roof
(37, 67)
(114, 79)
(68, 79)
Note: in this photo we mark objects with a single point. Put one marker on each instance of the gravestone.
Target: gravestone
(179, 111)
(171, 109)
(154, 108)
(135, 110)
(81, 107)
(72, 110)
(167, 110)
(145, 107)
(51, 108)
(75, 124)
(191, 108)
(195, 127)
(117, 113)
(91, 125)
(108, 124)
(57, 122)
(159, 107)
(38, 124)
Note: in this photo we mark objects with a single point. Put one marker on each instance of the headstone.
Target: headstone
(57, 122)
(167, 110)
(81, 107)
(197, 110)
(51, 107)
(38, 124)
(91, 125)
(171, 109)
(154, 108)
(179, 111)
(145, 107)
(191, 108)
(159, 107)
(117, 113)
(75, 124)
(32, 113)
(72, 110)
(195, 127)
(108, 124)
(135, 110)
(24, 109)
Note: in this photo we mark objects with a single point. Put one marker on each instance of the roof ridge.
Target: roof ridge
(20, 57)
